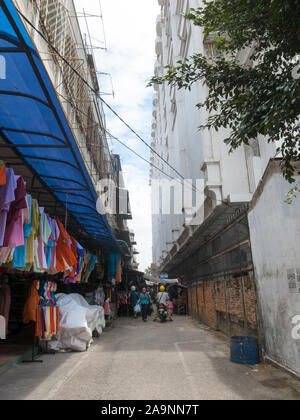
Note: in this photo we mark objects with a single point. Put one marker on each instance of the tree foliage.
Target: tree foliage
(262, 98)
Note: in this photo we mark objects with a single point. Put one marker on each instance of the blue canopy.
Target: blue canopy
(33, 123)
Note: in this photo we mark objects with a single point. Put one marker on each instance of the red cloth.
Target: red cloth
(3, 174)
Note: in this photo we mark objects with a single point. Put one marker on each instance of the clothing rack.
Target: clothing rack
(33, 357)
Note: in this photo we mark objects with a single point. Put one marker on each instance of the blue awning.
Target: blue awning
(33, 123)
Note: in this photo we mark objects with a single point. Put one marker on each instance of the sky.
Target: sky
(128, 32)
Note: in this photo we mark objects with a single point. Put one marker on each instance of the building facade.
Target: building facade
(68, 58)
(219, 252)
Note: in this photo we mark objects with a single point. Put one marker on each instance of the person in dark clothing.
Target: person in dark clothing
(134, 299)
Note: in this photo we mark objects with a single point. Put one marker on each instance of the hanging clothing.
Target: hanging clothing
(90, 267)
(7, 196)
(56, 231)
(2, 173)
(14, 233)
(64, 255)
(6, 255)
(48, 322)
(40, 263)
(113, 266)
(32, 302)
(35, 224)
(72, 276)
(19, 259)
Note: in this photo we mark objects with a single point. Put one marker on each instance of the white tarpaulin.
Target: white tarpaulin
(78, 321)
(160, 281)
(2, 328)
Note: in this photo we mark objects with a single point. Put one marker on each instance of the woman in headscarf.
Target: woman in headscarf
(145, 300)
(134, 300)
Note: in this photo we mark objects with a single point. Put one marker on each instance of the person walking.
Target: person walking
(145, 301)
(150, 308)
(134, 300)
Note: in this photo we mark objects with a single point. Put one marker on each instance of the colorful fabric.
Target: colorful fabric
(2, 173)
(113, 266)
(14, 233)
(32, 303)
(19, 260)
(7, 196)
(64, 255)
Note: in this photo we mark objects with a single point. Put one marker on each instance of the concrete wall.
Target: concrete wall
(275, 238)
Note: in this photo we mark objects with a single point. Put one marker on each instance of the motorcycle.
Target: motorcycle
(162, 312)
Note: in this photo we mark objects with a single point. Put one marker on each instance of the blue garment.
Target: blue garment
(134, 298)
(19, 259)
(50, 244)
(113, 266)
(144, 299)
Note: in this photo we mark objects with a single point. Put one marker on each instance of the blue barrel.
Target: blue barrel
(244, 350)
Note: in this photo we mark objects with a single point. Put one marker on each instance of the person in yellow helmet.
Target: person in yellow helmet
(162, 298)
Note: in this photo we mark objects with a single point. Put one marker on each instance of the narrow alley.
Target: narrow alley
(135, 361)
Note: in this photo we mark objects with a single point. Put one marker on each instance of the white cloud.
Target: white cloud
(130, 35)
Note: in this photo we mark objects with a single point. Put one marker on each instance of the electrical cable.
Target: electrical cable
(97, 95)
(111, 109)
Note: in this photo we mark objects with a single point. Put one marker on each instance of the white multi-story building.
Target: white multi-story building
(240, 255)
(175, 135)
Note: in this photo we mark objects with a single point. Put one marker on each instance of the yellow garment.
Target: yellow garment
(35, 223)
(84, 265)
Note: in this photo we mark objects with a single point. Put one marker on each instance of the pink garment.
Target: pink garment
(171, 307)
(7, 196)
(14, 233)
(53, 249)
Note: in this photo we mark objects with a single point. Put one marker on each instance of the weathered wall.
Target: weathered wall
(226, 305)
(275, 238)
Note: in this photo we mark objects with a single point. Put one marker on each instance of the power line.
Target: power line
(97, 95)
(113, 111)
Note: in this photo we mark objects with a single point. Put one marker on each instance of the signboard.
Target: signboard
(164, 276)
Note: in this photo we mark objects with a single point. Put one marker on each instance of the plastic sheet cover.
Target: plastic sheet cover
(78, 321)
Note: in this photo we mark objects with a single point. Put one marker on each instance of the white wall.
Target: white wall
(275, 239)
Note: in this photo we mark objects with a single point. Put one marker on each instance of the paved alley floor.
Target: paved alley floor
(153, 361)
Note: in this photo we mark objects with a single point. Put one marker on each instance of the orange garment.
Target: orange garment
(119, 272)
(74, 250)
(2, 173)
(52, 320)
(64, 254)
(38, 325)
(57, 319)
(32, 302)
